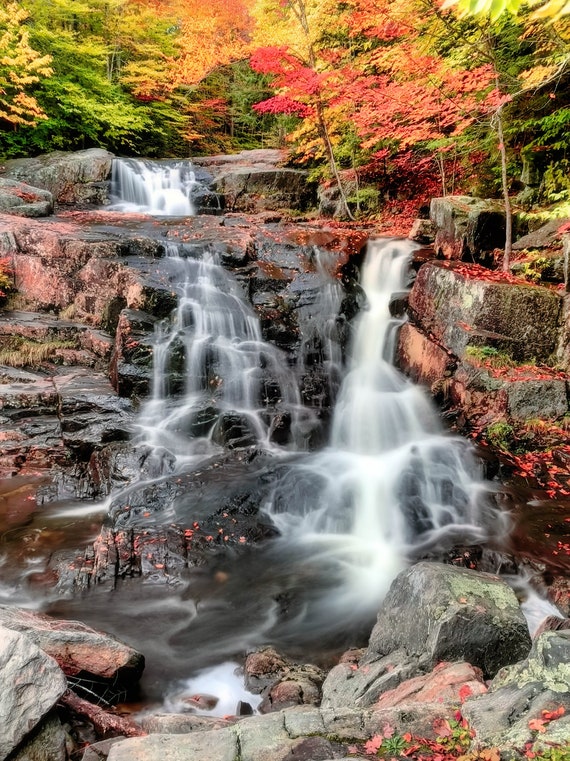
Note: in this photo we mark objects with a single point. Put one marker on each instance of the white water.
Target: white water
(215, 377)
(153, 187)
(390, 485)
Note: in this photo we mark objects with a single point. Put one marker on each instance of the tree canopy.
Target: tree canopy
(404, 93)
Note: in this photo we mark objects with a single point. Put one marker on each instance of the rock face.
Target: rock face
(482, 343)
(536, 686)
(32, 683)
(24, 200)
(467, 227)
(463, 309)
(72, 178)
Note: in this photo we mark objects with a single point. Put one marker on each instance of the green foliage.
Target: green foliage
(222, 118)
(556, 181)
(500, 434)
(366, 200)
(489, 355)
(536, 270)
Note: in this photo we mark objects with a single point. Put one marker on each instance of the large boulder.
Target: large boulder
(519, 394)
(73, 178)
(32, 683)
(468, 307)
(442, 613)
(257, 180)
(467, 227)
(24, 200)
(247, 189)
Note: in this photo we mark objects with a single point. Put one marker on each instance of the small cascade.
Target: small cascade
(391, 486)
(216, 381)
(152, 187)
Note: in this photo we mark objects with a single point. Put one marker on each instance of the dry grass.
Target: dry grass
(21, 352)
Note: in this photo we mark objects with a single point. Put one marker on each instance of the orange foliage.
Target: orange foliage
(211, 34)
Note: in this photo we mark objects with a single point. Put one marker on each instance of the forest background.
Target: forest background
(403, 99)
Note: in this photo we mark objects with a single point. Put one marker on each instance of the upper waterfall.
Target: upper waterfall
(153, 187)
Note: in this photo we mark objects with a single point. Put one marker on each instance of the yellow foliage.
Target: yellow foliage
(20, 67)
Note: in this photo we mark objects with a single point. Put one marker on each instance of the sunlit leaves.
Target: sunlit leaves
(551, 9)
(20, 67)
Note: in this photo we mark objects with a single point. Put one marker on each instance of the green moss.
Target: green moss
(467, 586)
(500, 434)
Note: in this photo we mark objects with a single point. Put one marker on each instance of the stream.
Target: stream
(389, 486)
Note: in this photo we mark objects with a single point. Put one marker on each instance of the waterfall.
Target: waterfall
(216, 381)
(152, 187)
(390, 486)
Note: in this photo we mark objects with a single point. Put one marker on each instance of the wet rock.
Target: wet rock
(32, 684)
(252, 189)
(484, 397)
(298, 685)
(78, 649)
(181, 723)
(217, 745)
(547, 663)
(59, 265)
(24, 200)
(263, 668)
(130, 368)
(467, 227)
(58, 419)
(73, 178)
(256, 181)
(419, 719)
(442, 613)
(421, 359)
(522, 693)
(360, 684)
(463, 311)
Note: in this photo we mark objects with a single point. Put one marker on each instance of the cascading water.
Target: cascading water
(153, 187)
(390, 486)
(215, 380)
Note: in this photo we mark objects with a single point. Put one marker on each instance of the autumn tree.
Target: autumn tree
(302, 68)
(21, 67)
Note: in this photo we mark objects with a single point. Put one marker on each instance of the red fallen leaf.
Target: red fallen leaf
(537, 725)
(372, 746)
(388, 731)
(552, 715)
